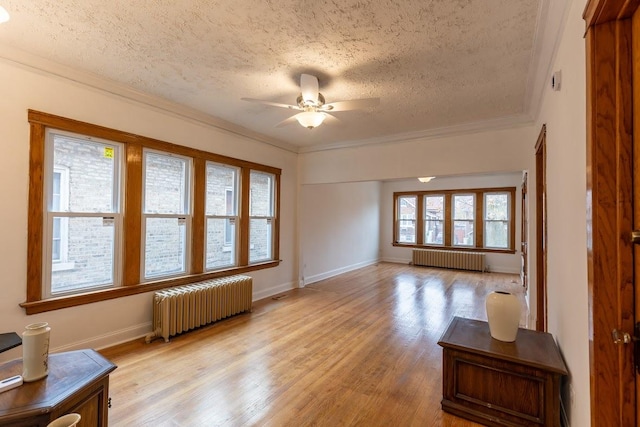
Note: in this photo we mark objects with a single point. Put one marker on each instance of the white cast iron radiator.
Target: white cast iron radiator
(449, 259)
(179, 309)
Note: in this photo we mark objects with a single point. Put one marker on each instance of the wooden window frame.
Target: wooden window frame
(131, 252)
(448, 220)
(445, 209)
(397, 219)
(510, 219)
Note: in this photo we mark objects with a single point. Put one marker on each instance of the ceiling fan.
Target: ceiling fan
(312, 104)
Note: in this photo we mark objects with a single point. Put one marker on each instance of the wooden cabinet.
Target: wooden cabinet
(498, 383)
(78, 381)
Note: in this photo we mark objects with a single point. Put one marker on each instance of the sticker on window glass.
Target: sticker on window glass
(108, 152)
(107, 221)
(182, 221)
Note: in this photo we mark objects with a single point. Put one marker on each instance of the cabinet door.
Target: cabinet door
(89, 410)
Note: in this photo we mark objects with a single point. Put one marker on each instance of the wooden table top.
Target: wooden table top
(69, 372)
(532, 348)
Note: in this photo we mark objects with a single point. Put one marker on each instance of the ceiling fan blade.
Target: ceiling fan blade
(354, 104)
(309, 88)
(291, 120)
(273, 104)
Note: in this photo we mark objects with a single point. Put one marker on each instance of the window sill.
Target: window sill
(56, 303)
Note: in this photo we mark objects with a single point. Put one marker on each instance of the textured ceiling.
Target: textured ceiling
(433, 63)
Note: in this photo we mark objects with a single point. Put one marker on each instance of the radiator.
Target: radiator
(449, 259)
(180, 309)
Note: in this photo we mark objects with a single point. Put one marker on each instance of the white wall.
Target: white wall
(106, 323)
(505, 150)
(499, 263)
(339, 228)
(564, 113)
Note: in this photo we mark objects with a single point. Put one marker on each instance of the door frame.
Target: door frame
(541, 230)
(610, 209)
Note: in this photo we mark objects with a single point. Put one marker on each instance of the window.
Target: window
(470, 219)
(221, 215)
(434, 220)
(261, 209)
(166, 213)
(406, 223)
(83, 217)
(463, 219)
(113, 214)
(496, 220)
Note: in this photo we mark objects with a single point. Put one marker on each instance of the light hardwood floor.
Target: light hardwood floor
(359, 349)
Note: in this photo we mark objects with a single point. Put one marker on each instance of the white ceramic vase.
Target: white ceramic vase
(69, 420)
(503, 313)
(35, 351)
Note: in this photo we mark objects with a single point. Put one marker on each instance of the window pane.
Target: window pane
(496, 206)
(463, 233)
(433, 232)
(260, 239)
(165, 246)
(261, 196)
(165, 184)
(433, 216)
(220, 243)
(464, 206)
(90, 255)
(91, 174)
(496, 234)
(221, 190)
(434, 207)
(407, 232)
(407, 211)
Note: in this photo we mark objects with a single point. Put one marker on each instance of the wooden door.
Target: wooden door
(610, 208)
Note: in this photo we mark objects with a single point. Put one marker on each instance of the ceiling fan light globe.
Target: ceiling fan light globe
(310, 119)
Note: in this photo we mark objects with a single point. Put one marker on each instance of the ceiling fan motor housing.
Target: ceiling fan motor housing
(305, 104)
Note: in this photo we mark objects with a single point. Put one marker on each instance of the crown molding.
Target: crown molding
(52, 68)
(507, 122)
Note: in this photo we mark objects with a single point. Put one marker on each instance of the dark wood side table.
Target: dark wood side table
(78, 381)
(498, 383)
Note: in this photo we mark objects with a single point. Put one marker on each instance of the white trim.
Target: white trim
(62, 266)
(274, 290)
(397, 260)
(337, 271)
(108, 340)
(507, 122)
